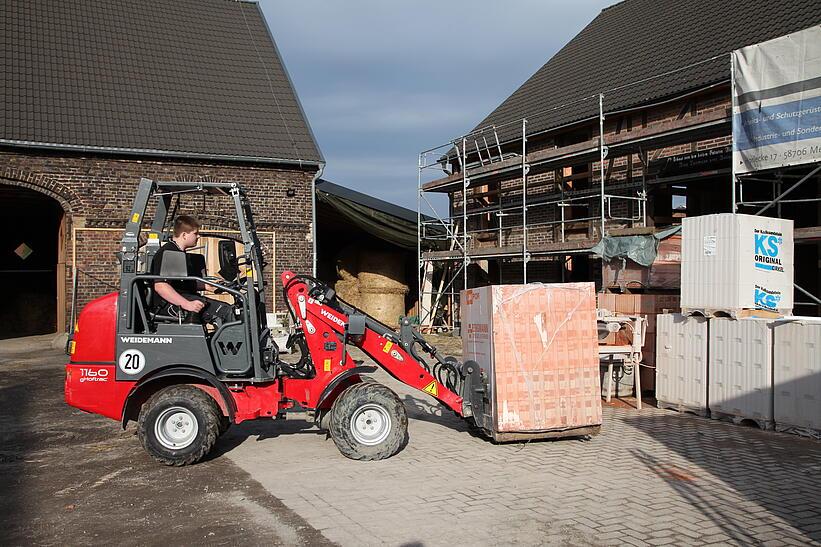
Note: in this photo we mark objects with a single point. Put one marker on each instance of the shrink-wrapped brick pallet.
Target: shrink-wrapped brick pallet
(537, 346)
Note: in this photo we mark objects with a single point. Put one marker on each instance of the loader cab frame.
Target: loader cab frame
(241, 349)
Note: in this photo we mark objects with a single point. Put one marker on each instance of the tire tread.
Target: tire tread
(347, 403)
(196, 397)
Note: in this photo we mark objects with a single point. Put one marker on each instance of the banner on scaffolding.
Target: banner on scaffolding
(777, 102)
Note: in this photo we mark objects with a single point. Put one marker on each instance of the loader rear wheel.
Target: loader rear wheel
(225, 423)
(368, 422)
(179, 425)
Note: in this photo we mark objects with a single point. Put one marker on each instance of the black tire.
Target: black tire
(198, 417)
(323, 419)
(225, 423)
(381, 417)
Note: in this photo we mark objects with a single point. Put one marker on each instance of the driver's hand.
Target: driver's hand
(194, 306)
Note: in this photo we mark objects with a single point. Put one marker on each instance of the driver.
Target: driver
(177, 298)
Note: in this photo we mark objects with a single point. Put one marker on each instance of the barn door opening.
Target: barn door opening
(31, 224)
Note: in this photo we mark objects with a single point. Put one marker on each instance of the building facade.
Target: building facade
(101, 94)
(624, 131)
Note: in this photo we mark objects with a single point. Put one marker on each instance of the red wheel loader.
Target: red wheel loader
(185, 383)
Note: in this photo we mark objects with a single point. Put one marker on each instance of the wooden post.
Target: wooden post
(609, 378)
(61, 275)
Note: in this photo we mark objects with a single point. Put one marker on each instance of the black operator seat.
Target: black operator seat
(174, 264)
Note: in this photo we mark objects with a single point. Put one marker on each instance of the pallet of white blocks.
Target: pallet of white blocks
(797, 376)
(740, 371)
(681, 363)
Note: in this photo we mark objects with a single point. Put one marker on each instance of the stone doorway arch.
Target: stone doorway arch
(33, 224)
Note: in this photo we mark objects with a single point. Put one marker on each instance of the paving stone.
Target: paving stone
(653, 477)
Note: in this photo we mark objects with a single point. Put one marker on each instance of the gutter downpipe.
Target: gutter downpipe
(316, 177)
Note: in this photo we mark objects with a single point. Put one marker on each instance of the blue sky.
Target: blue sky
(382, 80)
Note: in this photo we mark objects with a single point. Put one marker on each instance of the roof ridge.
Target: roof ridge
(611, 6)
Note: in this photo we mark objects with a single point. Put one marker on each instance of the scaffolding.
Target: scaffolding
(781, 183)
(503, 201)
(470, 163)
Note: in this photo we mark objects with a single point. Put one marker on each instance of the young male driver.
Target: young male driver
(176, 297)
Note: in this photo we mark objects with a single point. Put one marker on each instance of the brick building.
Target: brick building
(624, 131)
(97, 94)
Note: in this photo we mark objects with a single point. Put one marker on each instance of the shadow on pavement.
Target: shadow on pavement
(15, 446)
(77, 478)
(261, 430)
(776, 474)
(419, 409)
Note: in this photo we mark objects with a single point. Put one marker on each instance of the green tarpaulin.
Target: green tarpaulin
(381, 219)
(384, 226)
(640, 249)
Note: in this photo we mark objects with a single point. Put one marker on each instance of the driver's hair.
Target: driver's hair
(185, 223)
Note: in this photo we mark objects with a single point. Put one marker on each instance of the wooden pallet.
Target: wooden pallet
(766, 425)
(799, 430)
(678, 407)
(514, 436)
(734, 314)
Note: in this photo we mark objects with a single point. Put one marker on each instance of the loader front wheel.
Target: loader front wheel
(179, 425)
(368, 422)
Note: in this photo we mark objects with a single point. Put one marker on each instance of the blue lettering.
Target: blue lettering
(773, 241)
(759, 244)
(766, 300)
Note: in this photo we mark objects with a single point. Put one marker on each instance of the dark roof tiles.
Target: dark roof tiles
(200, 77)
(635, 40)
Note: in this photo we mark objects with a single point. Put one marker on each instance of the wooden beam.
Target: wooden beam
(582, 149)
(61, 275)
(807, 235)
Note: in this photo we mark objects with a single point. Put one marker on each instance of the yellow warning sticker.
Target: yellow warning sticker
(135, 217)
(431, 388)
(327, 365)
(153, 236)
(388, 346)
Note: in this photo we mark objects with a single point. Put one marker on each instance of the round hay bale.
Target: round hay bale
(348, 290)
(365, 289)
(346, 263)
(382, 270)
(385, 307)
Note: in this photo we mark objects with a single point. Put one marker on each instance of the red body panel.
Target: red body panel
(92, 388)
(90, 383)
(253, 402)
(325, 322)
(95, 334)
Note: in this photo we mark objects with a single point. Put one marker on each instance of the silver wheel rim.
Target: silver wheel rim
(370, 424)
(176, 428)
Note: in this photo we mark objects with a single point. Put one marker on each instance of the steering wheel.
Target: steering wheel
(221, 283)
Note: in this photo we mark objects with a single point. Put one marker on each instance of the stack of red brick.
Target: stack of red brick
(663, 273)
(538, 345)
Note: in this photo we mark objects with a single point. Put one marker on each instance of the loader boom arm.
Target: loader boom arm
(329, 324)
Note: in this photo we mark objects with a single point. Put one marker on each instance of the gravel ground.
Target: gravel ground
(74, 478)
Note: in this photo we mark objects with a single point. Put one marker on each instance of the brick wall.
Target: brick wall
(97, 192)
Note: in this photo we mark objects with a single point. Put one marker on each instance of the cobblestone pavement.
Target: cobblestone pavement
(652, 477)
